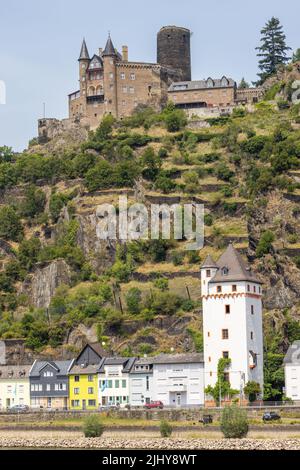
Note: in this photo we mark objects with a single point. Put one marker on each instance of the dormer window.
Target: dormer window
(219, 288)
(224, 81)
(209, 83)
(225, 271)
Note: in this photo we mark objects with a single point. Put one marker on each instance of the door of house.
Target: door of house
(178, 399)
(84, 404)
(7, 402)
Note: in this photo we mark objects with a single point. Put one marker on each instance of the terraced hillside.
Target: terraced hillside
(61, 285)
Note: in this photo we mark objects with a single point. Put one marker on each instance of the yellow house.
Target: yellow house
(83, 378)
(14, 386)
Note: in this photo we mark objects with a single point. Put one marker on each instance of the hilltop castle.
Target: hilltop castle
(109, 83)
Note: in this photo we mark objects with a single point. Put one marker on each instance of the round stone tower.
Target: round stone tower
(174, 51)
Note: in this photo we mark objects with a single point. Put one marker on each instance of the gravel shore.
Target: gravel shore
(154, 443)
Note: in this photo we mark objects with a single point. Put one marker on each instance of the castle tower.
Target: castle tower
(174, 51)
(83, 60)
(232, 320)
(110, 57)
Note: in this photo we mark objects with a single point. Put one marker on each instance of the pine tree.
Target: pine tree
(243, 84)
(296, 56)
(273, 48)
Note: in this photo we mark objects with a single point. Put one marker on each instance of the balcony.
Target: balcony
(95, 99)
(178, 388)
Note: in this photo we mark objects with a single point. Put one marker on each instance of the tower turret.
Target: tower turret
(110, 57)
(83, 60)
(174, 51)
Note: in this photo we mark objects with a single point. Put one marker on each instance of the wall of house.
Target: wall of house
(113, 386)
(141, 388)
(14, 392)
(83, 393)
(292, 381)
(179, 384)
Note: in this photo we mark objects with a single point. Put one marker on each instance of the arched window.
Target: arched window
(91, 91)
(210, 83)
(99, 90)
(224, 81)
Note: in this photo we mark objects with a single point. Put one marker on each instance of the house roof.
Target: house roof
(232, 267)
(61, 367)
(14, 372)
(126, 362)
(203, 84)
(95, 62)
(77, 369)
(178, 358)
(293, 354)
(209, 263)
(84, 53)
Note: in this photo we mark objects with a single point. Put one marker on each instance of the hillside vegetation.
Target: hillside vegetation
(61, 286)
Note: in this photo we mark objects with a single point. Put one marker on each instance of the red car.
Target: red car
(154, 404)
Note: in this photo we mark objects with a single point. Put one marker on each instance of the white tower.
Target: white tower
(232, 320)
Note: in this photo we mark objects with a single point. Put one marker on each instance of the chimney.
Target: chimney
(125, 53)
(100, 51)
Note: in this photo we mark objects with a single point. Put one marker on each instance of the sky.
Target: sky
(40, 43)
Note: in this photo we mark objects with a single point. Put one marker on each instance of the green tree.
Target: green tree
(33, 203)
(251, 390)
(296, 56)
(165, 428)
(265, 243)
(222, 386)
(234, 422)
(273, 49)
(133, 300)
(92, 426)
(243, 84)
(10, 224)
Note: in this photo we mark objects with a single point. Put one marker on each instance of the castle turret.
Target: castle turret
(110, 57)
(174, 51)
(83, 60)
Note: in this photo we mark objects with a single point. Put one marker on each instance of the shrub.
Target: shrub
(177, 258)
(10, 224)
(223, 172)
(208, 220)
(251, 390)
(283, 104)
(234, 422)
(133, 300)
(175, 120)
(165, 428)
(161, 283)
(34, 202)
(92, 426)
(265, 243)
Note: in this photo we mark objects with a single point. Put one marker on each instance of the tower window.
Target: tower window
(225, 354)
(226, 376)
(209, 359)
(122, 76)
(234, 288)
(208, 333)
(227, 308)
(219, 288)
(252, 309)
(225, 334)
(254, 288)
(251, 334)
(132, 76)
(248, 288)
(208, 273)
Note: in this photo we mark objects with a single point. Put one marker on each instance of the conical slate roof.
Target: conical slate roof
(232, 267)
(84, 53)
(209, 263)
(109, 48)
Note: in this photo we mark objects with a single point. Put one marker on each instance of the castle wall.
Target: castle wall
(211, 96)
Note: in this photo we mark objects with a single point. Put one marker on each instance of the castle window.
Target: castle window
(225, 334)
(252, 310)
(122, 76)
(248, 288)
(234, 288)
(131, 90)
(83, 66)
(132, 76)
(219, 288)
(91, 91)
(124, 89)
(209, 82)
(254, 288)
(227, 308)
(225, 354)
(208, 273)
(111, 75)
(208, 333)
(209, 359)
(259, 290)
(251, 335)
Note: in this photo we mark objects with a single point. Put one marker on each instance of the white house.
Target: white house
(113, 379)
(178, 379)
(14, 385)
(292, 371)
(141, 382)
(232, 320)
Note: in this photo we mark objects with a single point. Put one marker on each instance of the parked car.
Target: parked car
(271, 416)
(154, 404)
(18, 409)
